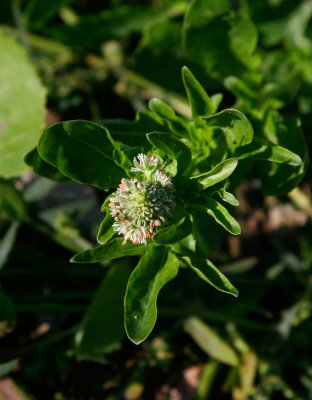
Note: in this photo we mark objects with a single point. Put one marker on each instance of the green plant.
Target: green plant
(180, 173)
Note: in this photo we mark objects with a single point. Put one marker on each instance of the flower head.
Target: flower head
(139, 207)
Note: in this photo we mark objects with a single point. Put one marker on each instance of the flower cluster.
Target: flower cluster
(139, 207)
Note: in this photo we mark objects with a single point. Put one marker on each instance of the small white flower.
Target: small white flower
(139, 207)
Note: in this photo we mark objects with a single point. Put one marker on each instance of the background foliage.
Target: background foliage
(61, 338)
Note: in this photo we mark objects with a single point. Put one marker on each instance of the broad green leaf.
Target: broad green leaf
(278, 179)
(172, 147)
(82, 151)
(261, 149)
(22, 102)
(221, 39)
(11, 201)
(220, 214)
(218, 173)
(173, 234)
(210, 342)
(198, 98)
(43, 168)
(124, 154)
(109, 251)
(7, 243)
(231, 129)
(106, 229)
(211, 274)
(155, 269)
(102, 329)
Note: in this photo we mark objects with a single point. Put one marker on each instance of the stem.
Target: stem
(18, 18)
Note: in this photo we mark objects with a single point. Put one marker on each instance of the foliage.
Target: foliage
(214, 143)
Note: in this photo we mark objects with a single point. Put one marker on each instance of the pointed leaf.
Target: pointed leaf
(155, 269)
(211, 274)
(210, 342)
(106, 230)
(218, 173)
(220, 215)
(162, 109)
(109, 251)
(82, 151)
(198, 98)
(228, 198)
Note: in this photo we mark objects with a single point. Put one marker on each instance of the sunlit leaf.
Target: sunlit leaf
(154, 270)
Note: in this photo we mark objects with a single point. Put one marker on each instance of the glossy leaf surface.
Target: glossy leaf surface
(154, 270)
(82, 151)
(108, 251)
(212, 275)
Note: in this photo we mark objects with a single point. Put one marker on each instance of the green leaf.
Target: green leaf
(173, 234)
(279, 179)
(261, 149)
(280, 155)
(228, 197)
(211, 274)
(82, 151)
(106, 229)
(109, 251)
(162, 109)
(210, 342)
(43, 168)
(176, 124)
(172, 147)
(231, 129)
(218, 173)
(124, 154)
(220, 214)
(199, 100)
(22, 102)
(221, 39)
(155, 269)
(102, 329)
(133, 133)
